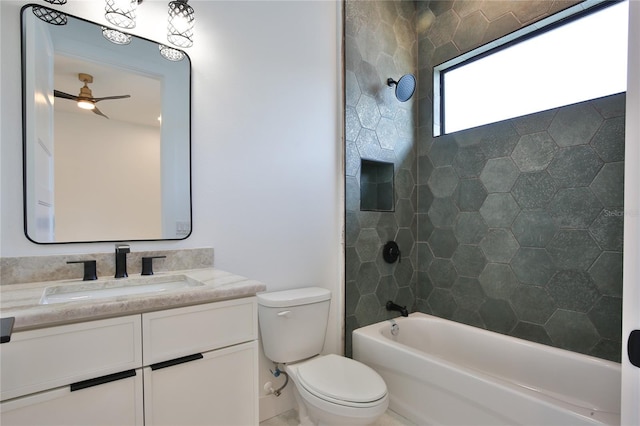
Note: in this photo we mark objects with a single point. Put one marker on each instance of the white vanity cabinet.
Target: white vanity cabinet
(184, 366)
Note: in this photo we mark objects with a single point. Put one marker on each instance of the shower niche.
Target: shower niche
(376, 186)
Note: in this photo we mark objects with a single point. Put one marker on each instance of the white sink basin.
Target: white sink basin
(123, 287)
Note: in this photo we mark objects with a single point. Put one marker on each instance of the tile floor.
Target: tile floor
(290, 418)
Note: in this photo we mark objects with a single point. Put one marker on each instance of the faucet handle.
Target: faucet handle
(89, 269)
(391, 252)
(147, 264)
(123, 248)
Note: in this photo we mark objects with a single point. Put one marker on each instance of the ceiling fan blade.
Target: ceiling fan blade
(97, 111)
(111, 97)
(59, 94)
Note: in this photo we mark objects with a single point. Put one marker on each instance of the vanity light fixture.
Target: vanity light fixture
(115, 36)
(181, 20)
(170, 53)
(121, 13)
(50, 16)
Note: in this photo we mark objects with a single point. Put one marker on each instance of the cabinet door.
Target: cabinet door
(115, 403)
(221, 388)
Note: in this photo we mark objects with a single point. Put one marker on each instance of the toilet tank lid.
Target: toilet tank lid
(294, 297)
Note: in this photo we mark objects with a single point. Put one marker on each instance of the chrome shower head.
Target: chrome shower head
(404, 87)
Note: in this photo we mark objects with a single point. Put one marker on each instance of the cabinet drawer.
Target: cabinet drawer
(47, 358)
(221, 388)
(184, 331)
(115, 403)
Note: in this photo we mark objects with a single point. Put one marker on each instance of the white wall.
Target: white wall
(631, 292)
(99, 174)
(266, 141)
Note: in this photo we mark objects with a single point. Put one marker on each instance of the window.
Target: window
(571, 57)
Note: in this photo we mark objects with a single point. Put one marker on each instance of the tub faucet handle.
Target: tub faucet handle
(391, 252)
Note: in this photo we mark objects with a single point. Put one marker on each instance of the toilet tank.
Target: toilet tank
(293, 323)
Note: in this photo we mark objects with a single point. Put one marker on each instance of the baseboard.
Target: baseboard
(271, 406)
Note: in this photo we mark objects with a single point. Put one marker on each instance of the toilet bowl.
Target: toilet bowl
(334, 390)
(329, 389)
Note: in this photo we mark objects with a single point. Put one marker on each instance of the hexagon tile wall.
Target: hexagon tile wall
(526, 238)
(380, 44)
(516, 226)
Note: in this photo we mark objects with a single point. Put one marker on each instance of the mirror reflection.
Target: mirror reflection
(106, 135)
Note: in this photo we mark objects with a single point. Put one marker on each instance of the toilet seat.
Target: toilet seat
(342, 381)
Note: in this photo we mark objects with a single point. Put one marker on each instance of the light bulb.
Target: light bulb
(85, 104)
(180, 23)
(115, 36)
(170, 53)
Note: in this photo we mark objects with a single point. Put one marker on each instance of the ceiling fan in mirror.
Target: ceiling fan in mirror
(85, 99)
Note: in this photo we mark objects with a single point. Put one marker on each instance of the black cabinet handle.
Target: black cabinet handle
(102, 380)
(633, 348)
(7, 327)
(172, 362)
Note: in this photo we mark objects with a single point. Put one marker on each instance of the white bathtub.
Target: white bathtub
(441, 372)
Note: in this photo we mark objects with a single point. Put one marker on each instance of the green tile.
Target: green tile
(499, 175)
(499, 245)
(469, 260)
(498, 281)
(499, 210)
(572, 331)
(573, 249)
(573, 290)
(498, 315)
(563, 128)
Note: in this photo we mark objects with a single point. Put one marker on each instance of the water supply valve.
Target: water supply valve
(269, 387)
(276, 372)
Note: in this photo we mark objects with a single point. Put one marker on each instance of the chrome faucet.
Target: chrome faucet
(121, 260)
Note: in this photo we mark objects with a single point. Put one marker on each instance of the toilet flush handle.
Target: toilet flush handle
(285, 314)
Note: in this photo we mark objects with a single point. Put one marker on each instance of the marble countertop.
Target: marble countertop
(22, 301)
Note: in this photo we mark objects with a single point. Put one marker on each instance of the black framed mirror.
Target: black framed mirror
(120, 171)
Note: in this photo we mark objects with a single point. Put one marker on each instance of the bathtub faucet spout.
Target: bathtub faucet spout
(393, 307)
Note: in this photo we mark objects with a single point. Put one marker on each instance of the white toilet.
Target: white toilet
(330, 389)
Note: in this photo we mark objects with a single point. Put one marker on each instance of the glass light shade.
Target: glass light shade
(84, 104)
(50, 16)
(181, 21)
(121, 13)
(115, 36)
(170, 53)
